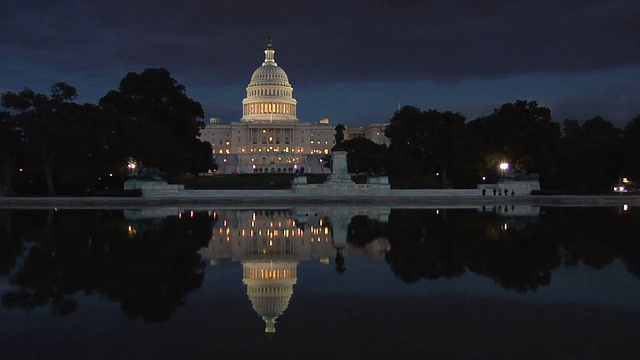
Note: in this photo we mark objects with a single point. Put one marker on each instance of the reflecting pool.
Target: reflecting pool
(313, 282)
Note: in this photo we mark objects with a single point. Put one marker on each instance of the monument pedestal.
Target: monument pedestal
(339, 182)
(339, 171)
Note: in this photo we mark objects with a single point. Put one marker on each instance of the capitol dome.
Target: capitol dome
(269, 287)
(269, 75)
(269, 94)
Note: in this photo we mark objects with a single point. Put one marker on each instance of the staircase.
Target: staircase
(227, 164)
(314, 166)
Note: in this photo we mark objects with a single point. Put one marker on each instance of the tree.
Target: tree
(164, 126)
(520, 133)
(445, 133)
(428, 140)
(10, 139)
(44, 122)
(406, 132)
(631, 149)
(589, 155)
(364, 155)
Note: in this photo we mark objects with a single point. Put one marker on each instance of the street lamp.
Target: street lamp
(132, 164)
(504, 167)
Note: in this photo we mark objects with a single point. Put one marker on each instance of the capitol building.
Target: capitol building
(269, 138)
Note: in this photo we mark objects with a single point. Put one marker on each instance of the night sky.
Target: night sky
(351, 61)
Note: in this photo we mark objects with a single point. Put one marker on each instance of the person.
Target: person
(506, 192)
(484, 192)
(513, 192)
(494, 191)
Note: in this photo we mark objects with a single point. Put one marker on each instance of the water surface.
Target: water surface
(320, 282)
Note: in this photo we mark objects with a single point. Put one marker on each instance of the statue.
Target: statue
(339, 136)
(521, 175)
(148, 174)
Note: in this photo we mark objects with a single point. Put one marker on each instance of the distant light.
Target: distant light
(505, 226)
(625, 180)
(20, 169)
(484, 178)
(110, 174)
(437, 174)
(504, 166)
(625, 207)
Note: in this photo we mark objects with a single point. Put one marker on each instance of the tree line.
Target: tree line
(51, 144)
(442, 149)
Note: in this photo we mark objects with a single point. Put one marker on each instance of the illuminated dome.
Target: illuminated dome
(269, 75)
(269, 94)
(269, 287)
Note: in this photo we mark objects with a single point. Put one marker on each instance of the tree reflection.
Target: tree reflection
(363, 230)
(10, 242)
(519, 253)
(422, 246)
(148, 266)
(517, 257)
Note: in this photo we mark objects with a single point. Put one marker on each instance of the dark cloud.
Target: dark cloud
(93, 44)
(329, 40)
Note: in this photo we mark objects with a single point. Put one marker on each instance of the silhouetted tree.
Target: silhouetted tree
(631, 149)
(363, 155)
(590, 155)
(45, 123)
(10, 140)
(164, 126)
(424, 142)
(520, 133)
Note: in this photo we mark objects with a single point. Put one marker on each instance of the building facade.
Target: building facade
(269, 138)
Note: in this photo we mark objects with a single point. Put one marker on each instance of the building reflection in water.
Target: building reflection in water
(270, 243)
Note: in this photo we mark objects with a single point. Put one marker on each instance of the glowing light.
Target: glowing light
(625, 207)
